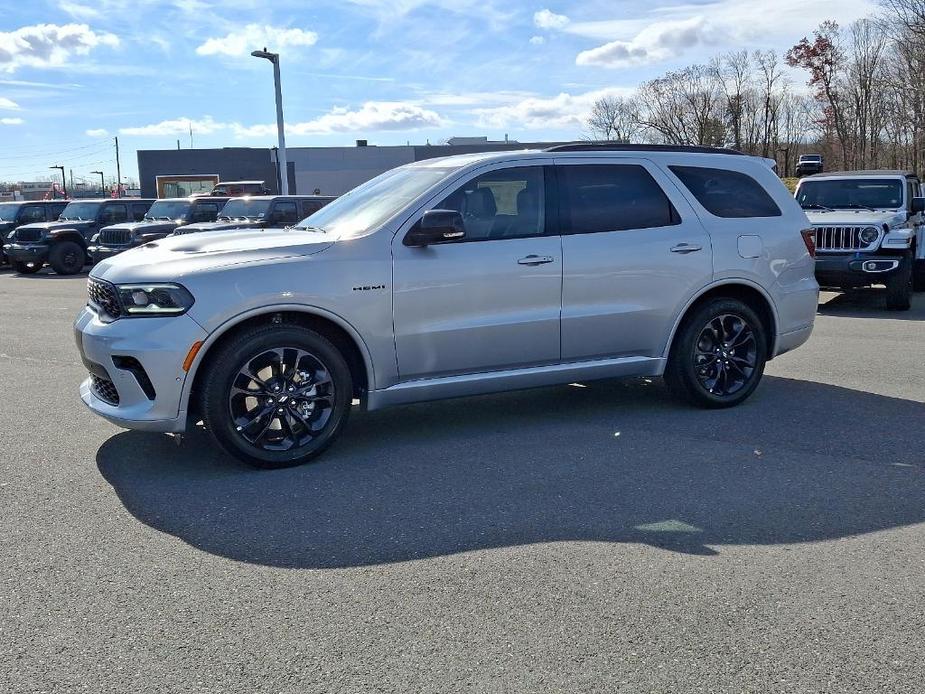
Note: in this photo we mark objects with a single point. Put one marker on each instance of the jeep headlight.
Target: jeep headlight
(154, 299)
(869, 235)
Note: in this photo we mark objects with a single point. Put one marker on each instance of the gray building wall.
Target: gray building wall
(231, 164)
(335, 170)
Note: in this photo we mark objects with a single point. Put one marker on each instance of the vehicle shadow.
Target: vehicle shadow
(870, 303)
(611, 461)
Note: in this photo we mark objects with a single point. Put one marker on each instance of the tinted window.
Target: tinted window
(309, 207)
(503, 204)
(285, 213)
(113, 214)
(727, 193)
(55, 210)
(204, 212)
(138, 211)
(32, 213)
(611, 197)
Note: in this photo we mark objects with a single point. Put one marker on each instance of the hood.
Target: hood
(222, 226)
(857, 217)
(51, 226)
(178, 256)
(145, 226)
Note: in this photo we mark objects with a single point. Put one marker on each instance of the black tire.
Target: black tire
(67, 258)
(737, 364)
(899, 287)
(26, 268)
(243, 424)
(918, 276)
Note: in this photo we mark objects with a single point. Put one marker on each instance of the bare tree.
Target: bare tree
(614, 118)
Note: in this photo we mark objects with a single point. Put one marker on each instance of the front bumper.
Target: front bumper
(100, 253)
(159, 345)
(856, 269)
(26, 252)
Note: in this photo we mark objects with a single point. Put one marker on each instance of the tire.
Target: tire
(26, 268)
(67, 258)
(918, 276)
(283, 359)
(696, 371)
(899, 287)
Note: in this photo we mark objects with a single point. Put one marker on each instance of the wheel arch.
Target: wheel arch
(744, 290)
(61, 235)
(343, 335)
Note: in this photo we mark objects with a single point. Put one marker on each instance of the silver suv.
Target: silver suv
(452, 277)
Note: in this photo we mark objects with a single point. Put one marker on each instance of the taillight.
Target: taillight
(809, 238)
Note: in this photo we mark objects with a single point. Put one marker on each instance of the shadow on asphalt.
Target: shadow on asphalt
(614, 461)
(871, 303)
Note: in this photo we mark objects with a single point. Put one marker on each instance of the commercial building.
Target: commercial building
(327, 170)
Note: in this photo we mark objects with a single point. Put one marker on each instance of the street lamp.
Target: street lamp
(102, 182)
(63, 180)
(281, 156)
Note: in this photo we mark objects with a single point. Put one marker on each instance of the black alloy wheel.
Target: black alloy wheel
(67, 258)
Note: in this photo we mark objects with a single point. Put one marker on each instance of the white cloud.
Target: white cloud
(177, 126)
(49, 45)
(534, 113)
(11, 121)
(537, 40)
(78, 11)
(547, 19)
(8, 104)
(371, 116)
(657, 42)
(254, 37)
(96, 132)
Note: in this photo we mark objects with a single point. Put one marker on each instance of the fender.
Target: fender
(263, 311)
(67, 235)
(713, 285)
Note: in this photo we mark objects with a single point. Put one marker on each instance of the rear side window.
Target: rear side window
(204, 212)
(114, 214)
(611, 197)
(138, 211)
(729, 194)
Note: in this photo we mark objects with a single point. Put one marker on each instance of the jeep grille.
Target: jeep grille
(102, 298)
(837, 238)
(28, 235)
(115, 237)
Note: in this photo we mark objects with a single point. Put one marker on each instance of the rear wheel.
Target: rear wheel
(26, 268)
(276, 396)
(67, 258)
(899, 287)
(718, 356)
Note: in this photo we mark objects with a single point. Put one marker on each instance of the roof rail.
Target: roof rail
(621, 147)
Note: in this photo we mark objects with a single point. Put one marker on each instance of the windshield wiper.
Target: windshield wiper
(816, 206)
(309, 228)
(857, 206)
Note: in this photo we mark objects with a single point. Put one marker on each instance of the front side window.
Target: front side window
(611, 197)
(728, 194)
(33, 213)
(114, 214)
(285, 213)
(203, 212)
(138, 212)
(851, 194)
(502, 204)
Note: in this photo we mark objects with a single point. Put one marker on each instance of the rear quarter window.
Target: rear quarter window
(729, 194)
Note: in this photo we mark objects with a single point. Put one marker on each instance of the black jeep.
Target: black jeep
(15, 214)
(162, 219)
(261, 212)
(63, 244)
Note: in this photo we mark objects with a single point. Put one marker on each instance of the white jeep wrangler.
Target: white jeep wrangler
(869, 229)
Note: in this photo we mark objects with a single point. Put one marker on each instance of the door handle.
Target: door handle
(536, 260)
(686, 248)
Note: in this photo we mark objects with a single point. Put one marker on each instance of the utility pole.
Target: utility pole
(72, 178)
(63, 180)
(118, 172)
(281, 154)
(190, 123)
(102, 182)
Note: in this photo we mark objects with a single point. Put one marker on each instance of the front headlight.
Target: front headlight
(869, 235)
(154, 299)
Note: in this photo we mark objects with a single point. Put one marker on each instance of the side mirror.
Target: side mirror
(917, 206)
(436, 226)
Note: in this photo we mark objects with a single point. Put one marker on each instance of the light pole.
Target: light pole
(63, 180)
(102, 182)
(281, 156)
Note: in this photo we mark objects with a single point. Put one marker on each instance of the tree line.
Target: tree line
(864, 107)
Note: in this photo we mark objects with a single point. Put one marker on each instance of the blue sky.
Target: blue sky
(75, 73)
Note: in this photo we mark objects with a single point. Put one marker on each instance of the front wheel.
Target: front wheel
(277, 395)
(67, 258)
(718, 355)
(899, 287)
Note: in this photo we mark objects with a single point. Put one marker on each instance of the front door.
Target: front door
(490, 301)
(632, 257)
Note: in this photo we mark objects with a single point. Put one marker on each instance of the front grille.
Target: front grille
(104, 389)
(836, 238)
(115, 237)
(180, 231)
(28, 235)
(103, 298)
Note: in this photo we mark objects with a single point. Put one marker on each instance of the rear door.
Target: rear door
(633, 254)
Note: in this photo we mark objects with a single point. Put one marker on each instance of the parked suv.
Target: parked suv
(456, 276)
(230, 189)
(15, 214)
(261, 211)
(63, 243)
(869, 229)
(809, 164)
(161, 219)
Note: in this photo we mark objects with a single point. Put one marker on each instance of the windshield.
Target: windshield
(373, 203)
(80, 210)
(8, 213)
(245, 207)
(811, 157)
(851, 194)
(168, 209)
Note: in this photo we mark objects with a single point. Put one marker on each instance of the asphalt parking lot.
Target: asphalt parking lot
(596, 538)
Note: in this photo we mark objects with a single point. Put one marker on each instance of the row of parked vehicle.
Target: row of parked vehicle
(69, 235)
